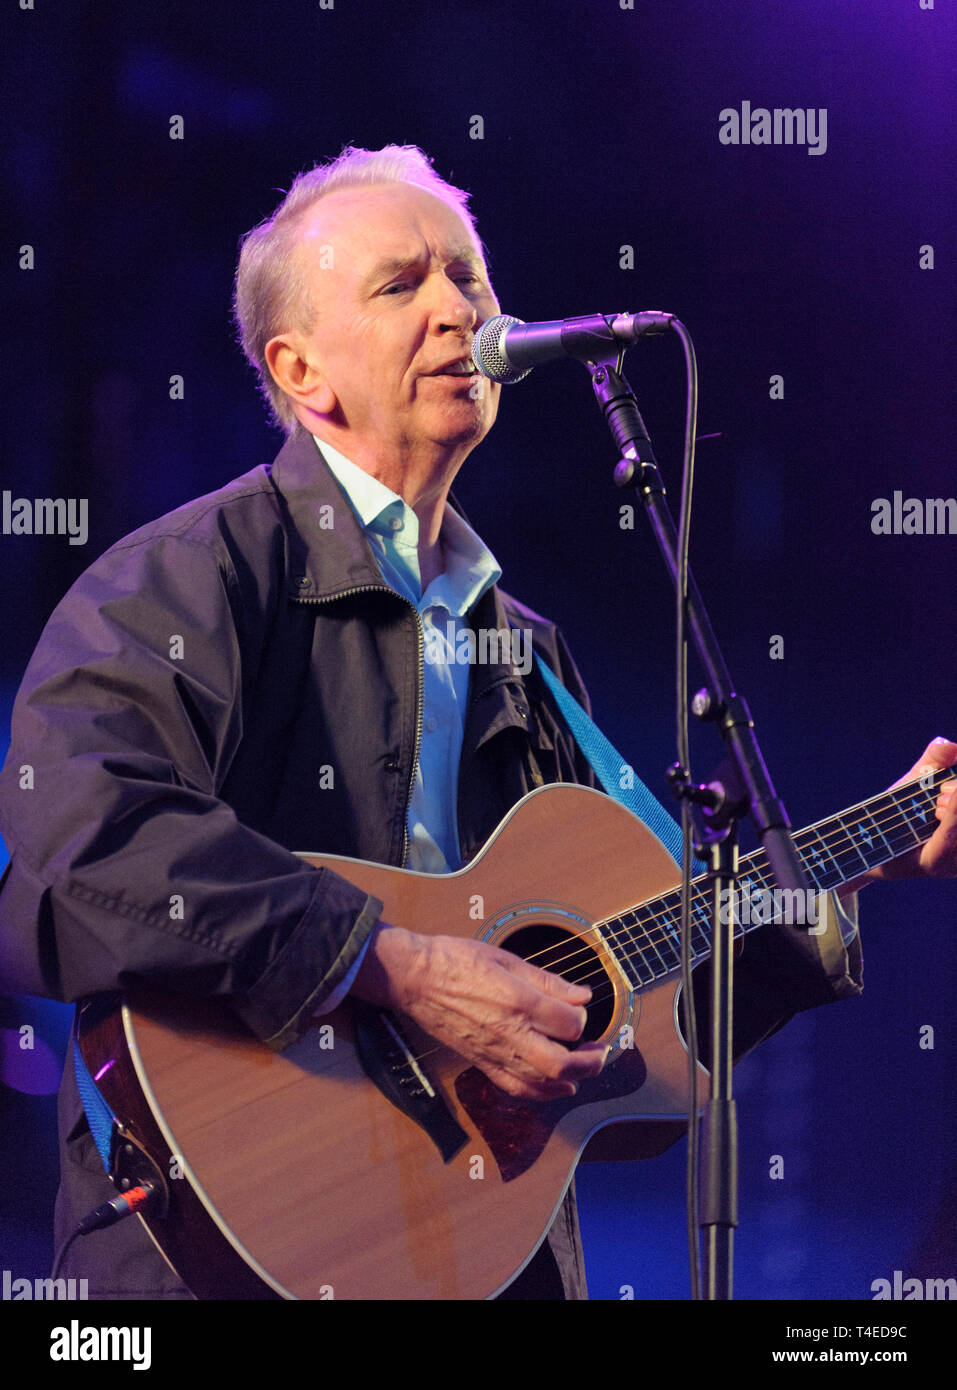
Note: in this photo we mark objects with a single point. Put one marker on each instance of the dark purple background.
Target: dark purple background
(601, 129)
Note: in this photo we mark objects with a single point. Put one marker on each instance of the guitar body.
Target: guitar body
(301, 1179)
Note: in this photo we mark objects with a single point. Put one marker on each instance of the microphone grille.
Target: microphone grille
(488, 350)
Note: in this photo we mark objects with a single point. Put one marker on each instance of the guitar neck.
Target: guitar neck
(834, 851)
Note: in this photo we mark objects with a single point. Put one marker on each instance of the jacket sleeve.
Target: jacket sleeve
(125, 862)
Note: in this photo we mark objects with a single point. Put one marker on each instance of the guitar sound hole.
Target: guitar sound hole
(563, 954)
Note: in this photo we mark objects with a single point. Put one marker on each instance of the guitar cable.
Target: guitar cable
(136, 1199)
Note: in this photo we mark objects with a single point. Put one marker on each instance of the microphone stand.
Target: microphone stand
(744, 787)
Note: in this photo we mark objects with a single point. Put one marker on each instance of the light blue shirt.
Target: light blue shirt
(469, 569)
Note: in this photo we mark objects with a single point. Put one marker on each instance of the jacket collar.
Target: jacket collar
(325, 560)
(328, 553)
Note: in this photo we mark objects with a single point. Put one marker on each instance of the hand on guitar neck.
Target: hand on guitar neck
(510, 1019)
(936, 857)
(492, 1008)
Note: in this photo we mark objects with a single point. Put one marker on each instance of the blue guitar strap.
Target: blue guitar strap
(611, 769)
(99, 1116)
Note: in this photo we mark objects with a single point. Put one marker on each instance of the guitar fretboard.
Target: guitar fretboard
(646, 939)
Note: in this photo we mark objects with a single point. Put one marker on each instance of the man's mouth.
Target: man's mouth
(463, 366)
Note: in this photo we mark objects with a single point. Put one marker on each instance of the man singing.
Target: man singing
(248, 676)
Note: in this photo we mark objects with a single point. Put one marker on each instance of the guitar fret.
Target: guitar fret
(641, 963)
(642, 970)
(875, 839)
(832, 852)
(911, 814)
(749, 885)
(918, 811)
(853, 845)
(819, 862)
(700, 924)
(854, 836)
(670, 923)
(670, 910)
(756, 866)
(625, 952)
(655, 941)
(901, 835)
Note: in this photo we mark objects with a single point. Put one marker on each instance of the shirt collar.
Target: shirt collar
(368, 496)
(470, 567)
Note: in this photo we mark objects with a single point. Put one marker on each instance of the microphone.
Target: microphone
(506, 349)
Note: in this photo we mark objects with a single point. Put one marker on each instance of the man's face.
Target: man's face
(399, 286)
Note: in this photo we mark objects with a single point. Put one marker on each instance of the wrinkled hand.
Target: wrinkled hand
(936, 857)
(495, 1010)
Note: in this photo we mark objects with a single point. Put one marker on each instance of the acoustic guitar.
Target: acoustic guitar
(366, 1161)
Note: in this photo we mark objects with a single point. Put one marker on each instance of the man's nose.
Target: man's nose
(453, 310)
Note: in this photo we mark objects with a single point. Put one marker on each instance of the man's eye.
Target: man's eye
(398, 288)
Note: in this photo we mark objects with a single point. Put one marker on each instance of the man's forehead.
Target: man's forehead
(387, 223)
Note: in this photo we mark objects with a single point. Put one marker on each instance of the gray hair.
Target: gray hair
(271, 294)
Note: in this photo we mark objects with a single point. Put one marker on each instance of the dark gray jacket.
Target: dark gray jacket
(176, 718)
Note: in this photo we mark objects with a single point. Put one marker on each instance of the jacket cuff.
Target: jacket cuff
(848, 978)
(846, 912)
(314, 961)
(806, 968)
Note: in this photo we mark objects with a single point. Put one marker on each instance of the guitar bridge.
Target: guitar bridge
(389, 1062)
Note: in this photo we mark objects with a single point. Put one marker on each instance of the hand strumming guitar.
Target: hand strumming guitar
(495, 1010)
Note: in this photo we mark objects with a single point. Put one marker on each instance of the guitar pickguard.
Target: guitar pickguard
(517, 1130)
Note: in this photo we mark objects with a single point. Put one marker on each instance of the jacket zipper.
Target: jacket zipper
(419, 693)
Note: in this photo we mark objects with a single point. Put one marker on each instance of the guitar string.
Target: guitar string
(890, 823)
(625, 936)
(634, 945)
(655, 929)
(838, 842)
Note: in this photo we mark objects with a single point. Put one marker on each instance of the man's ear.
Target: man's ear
(302, 382)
